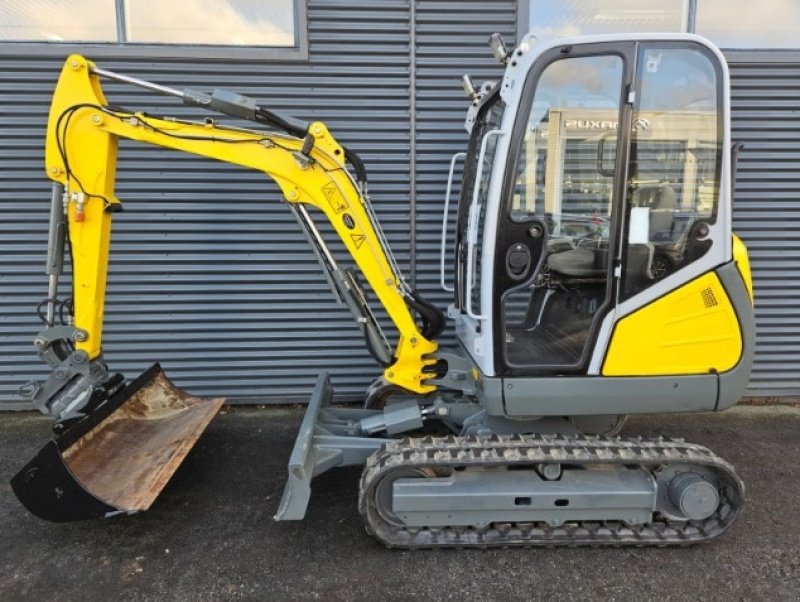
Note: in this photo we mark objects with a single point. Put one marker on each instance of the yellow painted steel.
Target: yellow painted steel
(692, 330)
(89, 132)
(743, 263)
(94, 154)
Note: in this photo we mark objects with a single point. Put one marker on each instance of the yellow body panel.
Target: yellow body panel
(89, 139)
(743, 263)
(692, 330)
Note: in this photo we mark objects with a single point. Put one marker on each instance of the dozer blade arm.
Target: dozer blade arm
(310, 170)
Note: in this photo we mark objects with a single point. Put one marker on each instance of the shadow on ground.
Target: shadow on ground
(210, 536)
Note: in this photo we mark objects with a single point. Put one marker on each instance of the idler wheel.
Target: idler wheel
(695, 497)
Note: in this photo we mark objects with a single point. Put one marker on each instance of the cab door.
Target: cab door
(558, 225)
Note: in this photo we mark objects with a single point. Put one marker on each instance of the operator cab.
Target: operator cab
(591, 187)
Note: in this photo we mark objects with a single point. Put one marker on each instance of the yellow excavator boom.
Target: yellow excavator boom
(118, 443)
(81, 155)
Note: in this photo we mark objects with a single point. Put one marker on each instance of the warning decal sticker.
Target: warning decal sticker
(358, 240)
(334, 197)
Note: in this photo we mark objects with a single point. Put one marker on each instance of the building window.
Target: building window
(58, 21)
(550, 19)
(730, 24)
(216, 22)
(762, 24)
(256, 25)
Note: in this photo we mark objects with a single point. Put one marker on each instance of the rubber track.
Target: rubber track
(499, 450)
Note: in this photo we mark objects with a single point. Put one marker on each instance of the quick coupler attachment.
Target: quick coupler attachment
(117, 459)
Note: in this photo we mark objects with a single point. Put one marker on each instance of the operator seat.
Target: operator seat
(578, 262)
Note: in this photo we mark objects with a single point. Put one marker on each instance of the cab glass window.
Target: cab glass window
(566, 166)
(488, 121)
(673, 177)
(565, 182)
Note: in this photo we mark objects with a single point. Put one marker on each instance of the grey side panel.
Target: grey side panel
(566, 396)
(491, 396)
(732, 384)
(765, 95)
(478, 498)
(209, 271)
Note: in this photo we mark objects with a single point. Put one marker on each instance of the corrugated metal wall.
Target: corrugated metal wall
(210, 274)
(766, 118)
(452, 40)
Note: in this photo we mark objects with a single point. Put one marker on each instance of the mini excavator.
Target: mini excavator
(593, 272)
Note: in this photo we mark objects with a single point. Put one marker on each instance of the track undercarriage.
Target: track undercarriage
(489, 489)
(546, 490)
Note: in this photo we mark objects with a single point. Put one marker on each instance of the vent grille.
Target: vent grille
(709, 299)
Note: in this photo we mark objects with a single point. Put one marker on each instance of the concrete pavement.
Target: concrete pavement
(210, 536)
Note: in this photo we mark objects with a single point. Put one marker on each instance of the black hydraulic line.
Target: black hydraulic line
(433, 320)
(357, 163)
(299, 128)
(290, 125)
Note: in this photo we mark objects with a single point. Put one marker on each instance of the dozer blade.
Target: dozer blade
(119, 458)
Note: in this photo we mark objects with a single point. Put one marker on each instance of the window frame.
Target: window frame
(125, 49)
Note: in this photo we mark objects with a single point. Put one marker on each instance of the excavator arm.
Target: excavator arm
(308, 165)
(117, 443)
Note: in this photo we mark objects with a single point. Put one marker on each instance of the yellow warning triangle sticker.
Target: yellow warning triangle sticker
(358, 240)
(329, 190)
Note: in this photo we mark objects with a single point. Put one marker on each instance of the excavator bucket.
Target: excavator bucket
(117, 459)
